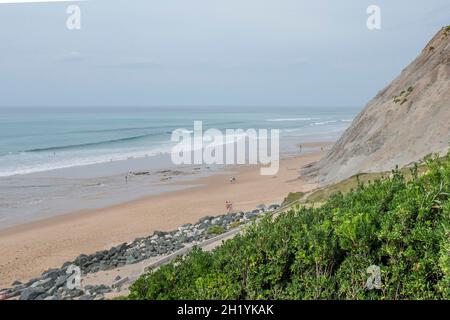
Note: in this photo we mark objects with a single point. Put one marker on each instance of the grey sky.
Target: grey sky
(209, 52)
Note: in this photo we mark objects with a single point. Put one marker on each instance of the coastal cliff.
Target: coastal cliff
(405, 122)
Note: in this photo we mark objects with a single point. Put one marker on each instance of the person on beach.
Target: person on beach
(228, 206)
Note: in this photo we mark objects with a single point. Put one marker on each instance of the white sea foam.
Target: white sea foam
(35, 163)
(36, 166)
(291, 119)
(322, 123)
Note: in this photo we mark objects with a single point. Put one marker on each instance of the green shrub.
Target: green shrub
(292, 197)
(216, 230)
(235, 224)
(401, 225)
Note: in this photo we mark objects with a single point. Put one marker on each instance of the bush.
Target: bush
(216, 230)
(292, 197)
(323, 253)
(235, 224)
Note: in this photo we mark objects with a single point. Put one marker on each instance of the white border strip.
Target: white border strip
(35, 1)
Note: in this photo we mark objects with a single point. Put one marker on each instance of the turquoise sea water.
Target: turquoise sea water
(41, 139)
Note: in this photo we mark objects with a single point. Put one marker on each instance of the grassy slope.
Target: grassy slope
(401, 224)
(352, 183)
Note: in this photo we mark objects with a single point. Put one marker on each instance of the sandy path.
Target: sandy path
(27, 250)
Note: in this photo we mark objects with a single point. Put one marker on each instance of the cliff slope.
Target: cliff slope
(406, 121)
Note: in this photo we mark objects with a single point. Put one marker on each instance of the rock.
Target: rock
(31, 293)
(51, 298)
(141, 173)
(17, 291)
(45, 283)
(41, 296)
(61, 280)
(86, 297)
(29, 283)
(249, 215)
(81, 260)
(274, 207)
(122, 247)
(117, 278)
(74, 293)
(16, 283)
(202, 220)
(52, 273)
(131, 260)
(99, 297)
(159, 233)
(100, 289)
(51, 291)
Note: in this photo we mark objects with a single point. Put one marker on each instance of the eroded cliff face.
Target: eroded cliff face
(405, 122)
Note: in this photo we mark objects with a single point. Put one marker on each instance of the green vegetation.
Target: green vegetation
(401, 224)
(216, 230)
(292, 197)
(345, 186)
(446, 31)
(235, 224)
(352, 183)
(402, 97)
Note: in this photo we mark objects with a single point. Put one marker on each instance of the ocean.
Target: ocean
(42, 139)
(53, 159)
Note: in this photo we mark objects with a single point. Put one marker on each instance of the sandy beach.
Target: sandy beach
(29, 249)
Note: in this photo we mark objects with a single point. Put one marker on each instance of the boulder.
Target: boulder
(31, 293)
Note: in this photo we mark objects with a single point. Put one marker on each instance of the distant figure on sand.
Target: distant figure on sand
(232, 179)
(228, 206)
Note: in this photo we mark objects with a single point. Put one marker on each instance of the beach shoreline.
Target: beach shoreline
(31, 248)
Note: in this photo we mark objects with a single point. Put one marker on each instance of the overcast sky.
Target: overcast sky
(209, 52)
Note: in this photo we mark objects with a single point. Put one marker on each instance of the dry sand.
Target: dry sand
(28, 250)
